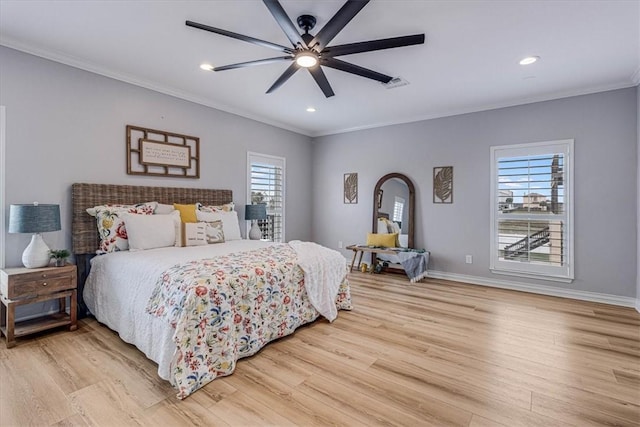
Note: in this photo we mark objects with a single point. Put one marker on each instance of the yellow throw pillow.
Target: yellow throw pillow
(187, 212)
(387, 240)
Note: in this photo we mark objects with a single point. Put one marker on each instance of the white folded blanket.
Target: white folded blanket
(321, 279)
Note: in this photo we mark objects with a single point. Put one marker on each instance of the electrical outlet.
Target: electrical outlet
(339, 244)
(469, 259)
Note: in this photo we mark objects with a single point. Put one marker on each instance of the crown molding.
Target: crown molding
(71, 61)
(487, 107)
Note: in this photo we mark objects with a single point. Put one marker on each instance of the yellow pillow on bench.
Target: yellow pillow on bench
(387, 239)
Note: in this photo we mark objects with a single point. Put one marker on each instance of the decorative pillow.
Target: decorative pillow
(111, 228)
(150, 231)
(149, 205)
(228, 207)
(230, 224)
(187, 212)
(387, 226)
(190, 234)
(163, 209)
(387, 240)
(214, 232)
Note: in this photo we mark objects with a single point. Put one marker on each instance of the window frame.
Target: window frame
(564, 273)
(253, 157)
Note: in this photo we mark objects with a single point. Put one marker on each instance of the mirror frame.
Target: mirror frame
(411, 206)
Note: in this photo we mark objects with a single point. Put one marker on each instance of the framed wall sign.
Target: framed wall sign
(159, 153)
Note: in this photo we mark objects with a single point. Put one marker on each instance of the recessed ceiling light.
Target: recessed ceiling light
(206, 67)
(529, 60)
(311, 109)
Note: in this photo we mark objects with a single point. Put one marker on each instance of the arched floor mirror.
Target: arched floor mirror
(394, 199)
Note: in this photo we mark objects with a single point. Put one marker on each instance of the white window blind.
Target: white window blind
(532, 210)
(398, 209)
(266, 185)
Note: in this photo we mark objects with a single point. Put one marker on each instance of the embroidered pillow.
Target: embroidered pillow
(94, 210)
(111, 228)
(228, 207)
(230, 224)
(190, 234)
(214, 232)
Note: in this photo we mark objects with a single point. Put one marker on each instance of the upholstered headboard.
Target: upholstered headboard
(83, 226)
(84, 231)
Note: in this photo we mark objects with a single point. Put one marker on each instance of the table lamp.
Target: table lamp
(253, 213)
(34, 218)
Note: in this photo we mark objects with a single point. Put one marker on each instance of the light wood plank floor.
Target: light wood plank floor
(433, 353)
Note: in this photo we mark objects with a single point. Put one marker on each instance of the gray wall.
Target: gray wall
(66, 125)
(604, 128)
(638, 203)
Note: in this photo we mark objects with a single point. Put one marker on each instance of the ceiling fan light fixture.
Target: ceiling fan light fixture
(306, 59)
(529, 60)
(206, 67)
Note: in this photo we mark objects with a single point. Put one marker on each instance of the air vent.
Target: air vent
(395, 82)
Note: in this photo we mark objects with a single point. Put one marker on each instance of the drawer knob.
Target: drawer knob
(44, 284)
(44, 276)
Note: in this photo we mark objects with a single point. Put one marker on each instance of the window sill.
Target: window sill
(563, 279)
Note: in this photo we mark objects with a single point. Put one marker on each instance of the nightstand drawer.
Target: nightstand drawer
(40, 287)
(24, 283)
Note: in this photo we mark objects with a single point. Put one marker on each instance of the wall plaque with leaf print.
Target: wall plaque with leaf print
(350, 188)
(443, 184)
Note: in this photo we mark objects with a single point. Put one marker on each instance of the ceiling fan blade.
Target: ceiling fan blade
(284, 22)
(321, 79)
(337, 23)
(242, 37)
(371, 45)
(284, 77)
(252, 63)
(355, 69)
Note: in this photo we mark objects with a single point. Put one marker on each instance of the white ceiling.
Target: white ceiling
(468, 63)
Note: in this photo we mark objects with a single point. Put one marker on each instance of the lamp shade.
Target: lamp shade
(258, 211)
(34, 218)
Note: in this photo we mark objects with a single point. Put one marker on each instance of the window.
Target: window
(265, 178)
(532, 210)
(398, 208)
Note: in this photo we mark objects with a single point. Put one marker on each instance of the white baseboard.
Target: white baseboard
(638, 304)
(539, 289)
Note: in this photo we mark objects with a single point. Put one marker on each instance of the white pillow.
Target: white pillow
(230, 224)
(151, 231)
(163, 209)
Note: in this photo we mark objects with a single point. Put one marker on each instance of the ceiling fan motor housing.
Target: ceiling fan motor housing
(306, 22)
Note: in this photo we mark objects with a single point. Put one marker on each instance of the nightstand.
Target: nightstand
(21, 286)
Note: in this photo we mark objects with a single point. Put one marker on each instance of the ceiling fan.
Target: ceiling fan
(312, 52)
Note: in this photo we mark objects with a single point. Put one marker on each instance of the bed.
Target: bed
(196, 310)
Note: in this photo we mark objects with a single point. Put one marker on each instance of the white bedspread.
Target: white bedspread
(120, 284)
(321, 279)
